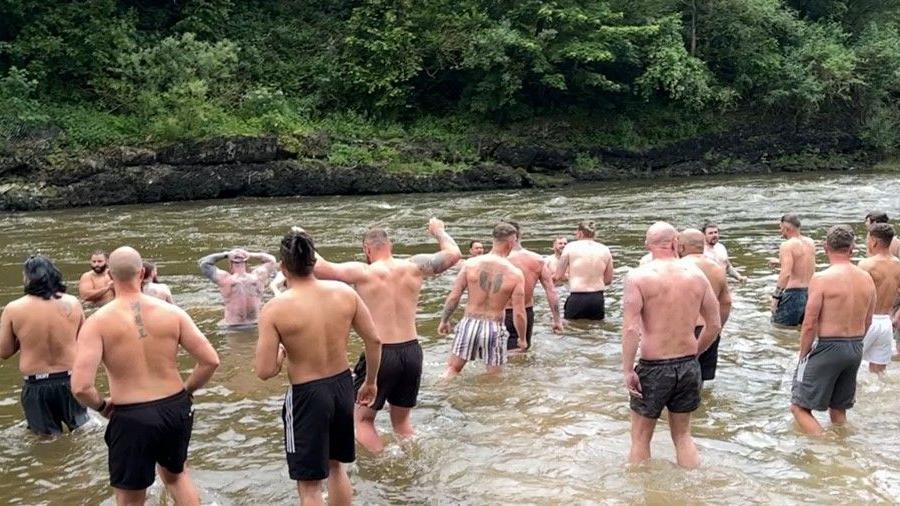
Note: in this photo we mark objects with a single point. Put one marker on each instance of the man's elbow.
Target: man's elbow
(212, 361)
(267, 372)
(81, 389)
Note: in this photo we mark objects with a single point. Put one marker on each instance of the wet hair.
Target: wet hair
(708, 224)
(840, 239)
(503, 231)
(376, 237)
(148, 272)
(791, 219)
(882, 232)
(100, 252)
(877, 217)
(587, 228)
(298, 253)
(42, 278)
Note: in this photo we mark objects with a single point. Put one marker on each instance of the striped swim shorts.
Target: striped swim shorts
(484, 339)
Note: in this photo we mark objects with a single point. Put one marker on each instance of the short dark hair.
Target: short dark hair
(503, 231)
(587, 228)
(101, 253)
(516, 226)
(840, 239)
(472, 243)
(791, 219)
(377, 236)
(148, 272)
(42, 278)
(877, 217)
(298, 253)
(708, 224)
(882, 232)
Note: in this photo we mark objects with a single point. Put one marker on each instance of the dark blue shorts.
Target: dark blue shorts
(791, 307)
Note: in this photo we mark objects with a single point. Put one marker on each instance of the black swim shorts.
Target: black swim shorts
(709, 359)
(671, 383)
(826, 377)
(49, 404)
(512, 342)
(791, 307)
(585, 306)
(318, 426)
(144, 434)
(399, 376)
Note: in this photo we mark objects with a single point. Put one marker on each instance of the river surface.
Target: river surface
(554, 428)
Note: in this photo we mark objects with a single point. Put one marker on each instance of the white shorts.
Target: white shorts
(878, 343)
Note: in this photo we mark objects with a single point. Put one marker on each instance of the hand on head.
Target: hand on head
(238, 255)
(435, 226)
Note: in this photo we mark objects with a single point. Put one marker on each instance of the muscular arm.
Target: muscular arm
(520, 317)
(9, 345)
(365, 327)
(209, 269)
(88, 355)
(552, 295)
(195, 343)
(447, 257)
(452, 302)
(786, 258)
(608, 273)
(270, 265)
(632, 304)
(266, 360)
(278, 283)
(87, 291)
(810, 328)
(347, 272)
(712, 322)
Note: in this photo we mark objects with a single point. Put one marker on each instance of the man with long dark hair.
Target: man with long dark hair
(42, 326)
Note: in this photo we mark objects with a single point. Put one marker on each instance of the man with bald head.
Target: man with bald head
(242, 290)
(885, 271)
(137, 337)
(691, 243)
(589, 267)
(839, 311)
(661, 305)
(797, 258)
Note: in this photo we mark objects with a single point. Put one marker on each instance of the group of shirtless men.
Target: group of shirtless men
(674, 305)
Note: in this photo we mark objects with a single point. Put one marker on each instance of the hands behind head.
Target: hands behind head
(435, 226)
(366, 394)
(241, 255)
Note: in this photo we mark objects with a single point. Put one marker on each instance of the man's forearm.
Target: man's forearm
(208, 264)
(373, 360)
(707, 336)
(449, 308)
(731, 271)
(199, 377)
(265, 257)
(807, 336)
(553, 300)
(90, 398)
(630, 342)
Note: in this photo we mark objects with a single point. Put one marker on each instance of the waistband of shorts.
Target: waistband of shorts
(793, 290)
(154, 403)
(404, 344)
(34, 378)
(841, 339)
(588, 293)
(498, 320)
(509, 310)
(322, 381)
(881, 316)
(668, 361)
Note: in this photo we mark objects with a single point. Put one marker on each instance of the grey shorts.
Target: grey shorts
(826, 378)
(670, 383)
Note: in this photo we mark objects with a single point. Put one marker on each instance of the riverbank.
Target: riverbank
(323, 164)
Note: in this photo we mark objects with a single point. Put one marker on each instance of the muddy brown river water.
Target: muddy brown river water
(554, 428)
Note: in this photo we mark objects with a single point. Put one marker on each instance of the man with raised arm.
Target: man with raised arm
(42, 326)
(715, 250)
(309, 324)
(390, 288)
(690, 242)
(797, 258)
(149, 407)
(559, 244)
(662, 302)
(839, 311)
(241, 290)
(885, 271)
(493, 283)
(534, 269)
(589, 266)
(95, 285)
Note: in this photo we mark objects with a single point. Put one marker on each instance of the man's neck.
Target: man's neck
(293, 281)
(880, 252)
(838, 259)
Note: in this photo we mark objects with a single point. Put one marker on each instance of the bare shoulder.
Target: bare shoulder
(338, 287)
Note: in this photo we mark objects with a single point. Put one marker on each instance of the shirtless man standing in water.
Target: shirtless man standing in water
(839, 311)
(661, 304)
(885, 271)
(559, 244)
(42, 326)
(241, 290)
(492, 281)
(589, 267)
(390, 288)
(151, 286)
(95, 286)
(534, 269)
(309, 324)
(717, 251)
(150, 411)
(797, 257)
(691, 243)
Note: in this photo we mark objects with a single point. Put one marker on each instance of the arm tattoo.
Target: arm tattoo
(208, 265)
(430, 265)
(449, 308)
(136, 311)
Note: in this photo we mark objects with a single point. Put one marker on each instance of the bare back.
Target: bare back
(242, 294)
(885, 272)
(390, 288)
(532, 266)
(313, 324)
(589, 265)
(798, 254)
(46, 331)
(491, 281)
(672, 293)
(715, 274)
(140, 339)
(841, 301)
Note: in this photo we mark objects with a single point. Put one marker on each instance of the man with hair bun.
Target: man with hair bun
(797, 258)
(838, 313)
(589, 267)
(309, 324)
(42, 326)
(885, 271)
